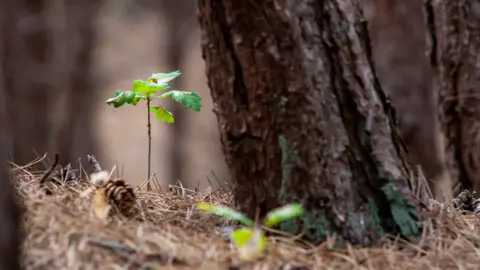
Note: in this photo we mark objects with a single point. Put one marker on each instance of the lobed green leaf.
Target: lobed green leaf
(125, 97)
(187, 99)
(147, 88)
(162, 114)
(283, 213)
(164, 78)
(225, 212)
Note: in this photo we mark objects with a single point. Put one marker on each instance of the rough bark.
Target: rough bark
(454, 45)
(302, 117)
(397, 30)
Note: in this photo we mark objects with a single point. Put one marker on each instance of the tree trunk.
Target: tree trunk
(303, 119)
(44, 58)
(10, 218)
(454, 46)
(10, 211)
(179, 24)
(74, 136)
(397, 30)
(26, 76)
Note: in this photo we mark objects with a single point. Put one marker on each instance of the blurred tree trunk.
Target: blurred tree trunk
(26, 78)
(303, 119)
(10, 217)
(179, 20)
(10, 210)
(74, 54)
(44, 58)
(398, 31)
(454, 49)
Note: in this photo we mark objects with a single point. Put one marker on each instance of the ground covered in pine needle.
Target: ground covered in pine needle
(63, 233)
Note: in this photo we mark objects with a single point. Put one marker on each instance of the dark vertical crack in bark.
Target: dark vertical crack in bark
(430, 21)
(240, 92)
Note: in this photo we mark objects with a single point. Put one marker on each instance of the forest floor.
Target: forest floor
(63, 233)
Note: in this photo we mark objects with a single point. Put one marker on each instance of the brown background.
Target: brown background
(128, 49)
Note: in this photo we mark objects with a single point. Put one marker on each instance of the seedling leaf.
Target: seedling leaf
(162, 114)
(164, 78)
(225, 212)
(283, 213)
(251, 243)
(124, 97)
(147, 88)
(187, 99)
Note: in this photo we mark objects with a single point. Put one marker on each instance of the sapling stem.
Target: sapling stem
(149, 130)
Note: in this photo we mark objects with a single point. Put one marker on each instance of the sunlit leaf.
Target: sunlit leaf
(147, 88)
(187, 99)
(164, 78)
(124, 97)
(225, 212)
(162, 114)
(100, 205)
(251, 243)
(283, 213)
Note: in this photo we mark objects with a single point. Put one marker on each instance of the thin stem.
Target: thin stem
(149, 128)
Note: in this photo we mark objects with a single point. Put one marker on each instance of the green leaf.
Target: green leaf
(164, 78)
(225, 212)
(187, 99)
(147, 88)
(283, 213)
(251, 243)
(162, 114)
(241, 236)
(125, 97)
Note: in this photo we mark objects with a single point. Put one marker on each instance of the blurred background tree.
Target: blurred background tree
(179, 19)
(61, 60)
(398, 38)
(46, 65)
(46, 77)
(453, 47)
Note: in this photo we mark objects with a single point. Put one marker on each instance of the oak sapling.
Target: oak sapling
(250, 240)
(149, 90)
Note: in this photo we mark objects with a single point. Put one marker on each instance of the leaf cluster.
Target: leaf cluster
(151, 89)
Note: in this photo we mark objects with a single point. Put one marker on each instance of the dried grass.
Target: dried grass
(62, 233)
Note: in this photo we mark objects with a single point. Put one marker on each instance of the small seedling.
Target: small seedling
(148, 90)
(250, 240)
